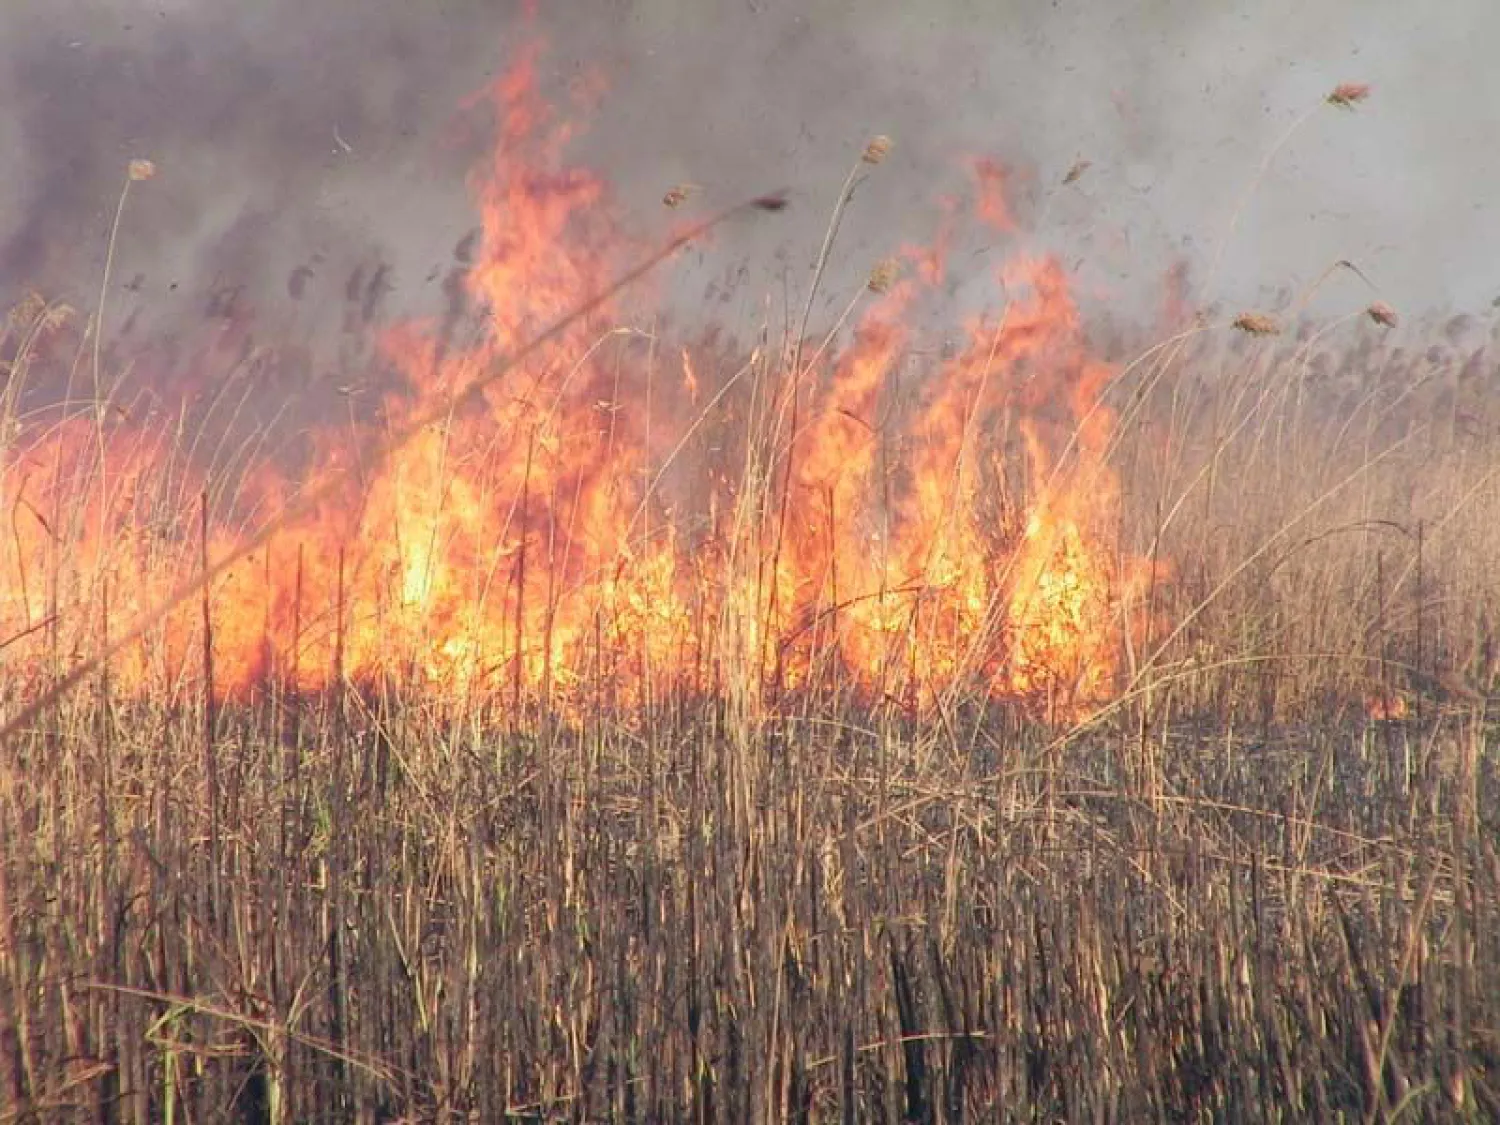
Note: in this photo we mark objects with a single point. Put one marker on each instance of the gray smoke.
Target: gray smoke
(308, 161)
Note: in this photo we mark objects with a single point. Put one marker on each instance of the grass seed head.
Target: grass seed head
(26, 310)
(1078, 169)
(1382, 314)
(877, 150)
(884, 275)
(1346, 95)
(141, 170)
(679, 195)
(1257, 324)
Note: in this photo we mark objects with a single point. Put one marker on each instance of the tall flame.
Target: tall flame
(600, 525)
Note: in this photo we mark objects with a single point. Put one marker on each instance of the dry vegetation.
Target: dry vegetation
(1261, 884)
(1229, 896)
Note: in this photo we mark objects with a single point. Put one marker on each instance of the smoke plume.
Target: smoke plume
(310, 165)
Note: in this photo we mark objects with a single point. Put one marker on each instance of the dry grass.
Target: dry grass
(1327, 503)
(1228, 895)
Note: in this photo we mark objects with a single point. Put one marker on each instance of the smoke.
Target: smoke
(288, 137)
(309, 171)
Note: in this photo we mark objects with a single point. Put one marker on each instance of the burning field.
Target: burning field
(907, 711)
(616, 512)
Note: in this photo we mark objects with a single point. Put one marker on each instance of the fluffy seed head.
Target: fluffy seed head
(1346, 95)
(1078, 169)
(26, 310)
(1257, 324)
(679, 195)
(877, 150)
(884, 275)
(1382, 313)
(141, 170)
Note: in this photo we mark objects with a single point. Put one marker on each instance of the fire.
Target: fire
(1060, 595)
(597, 527)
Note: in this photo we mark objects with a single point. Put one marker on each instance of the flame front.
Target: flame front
(618, 519)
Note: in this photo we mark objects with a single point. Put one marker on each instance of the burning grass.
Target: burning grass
(819, 520)
(616, 726)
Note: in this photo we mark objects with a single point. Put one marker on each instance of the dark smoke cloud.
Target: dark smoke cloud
(287, 136)
(307, 164)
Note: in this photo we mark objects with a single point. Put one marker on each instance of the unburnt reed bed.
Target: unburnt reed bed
(386, 911)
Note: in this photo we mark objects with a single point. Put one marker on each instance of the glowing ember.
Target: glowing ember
(598, 528)
(1386, 707)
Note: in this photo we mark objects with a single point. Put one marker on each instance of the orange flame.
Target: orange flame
(590, 531)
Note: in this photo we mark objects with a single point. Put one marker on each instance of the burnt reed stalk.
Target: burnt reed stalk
(709, 922)
(210, 745)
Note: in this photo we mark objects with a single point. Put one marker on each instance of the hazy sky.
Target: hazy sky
(288, 131)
